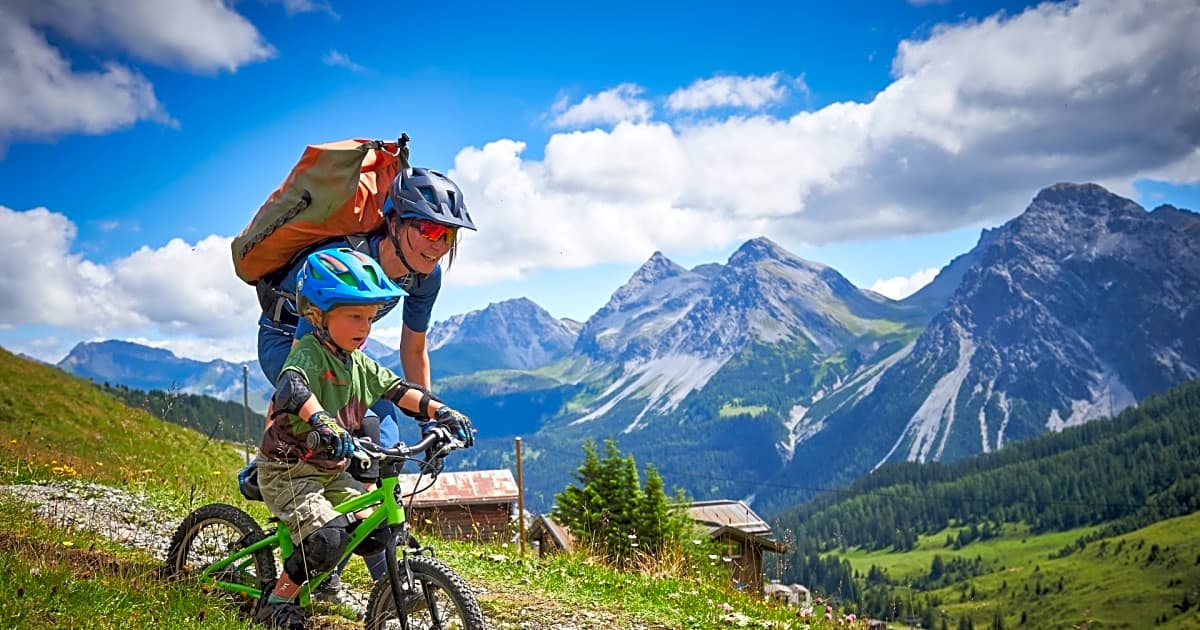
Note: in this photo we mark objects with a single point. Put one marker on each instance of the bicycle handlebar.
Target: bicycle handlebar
(438, 438)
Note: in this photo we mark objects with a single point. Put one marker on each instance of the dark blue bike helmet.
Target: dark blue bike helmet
(421, 193)
(343, 277)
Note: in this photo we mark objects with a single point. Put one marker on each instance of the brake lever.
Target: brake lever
(365, 450)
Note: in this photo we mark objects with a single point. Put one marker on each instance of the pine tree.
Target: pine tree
(608, 508)
(580, 508)
(624, 506)
(654, 520)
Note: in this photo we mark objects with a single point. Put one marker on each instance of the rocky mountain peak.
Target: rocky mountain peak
(511, 334)
(757, 250)
(88, 350)
(1067, 193)
(657, 267)
(656, 270)
(1179, 218)
(1066, 220)
(1079, 205)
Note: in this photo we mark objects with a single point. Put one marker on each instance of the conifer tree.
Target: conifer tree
(655, 518)
(610, 509)
(580, 508)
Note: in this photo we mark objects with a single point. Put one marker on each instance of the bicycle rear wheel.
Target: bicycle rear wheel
(440, 595)
(213, 532)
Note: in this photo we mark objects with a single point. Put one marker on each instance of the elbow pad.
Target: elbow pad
(396, 393)
(291, 392)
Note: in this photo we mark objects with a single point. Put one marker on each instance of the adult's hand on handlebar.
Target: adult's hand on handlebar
(339, 441)
(457, 423)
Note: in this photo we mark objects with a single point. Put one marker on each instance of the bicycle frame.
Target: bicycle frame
(389, 510)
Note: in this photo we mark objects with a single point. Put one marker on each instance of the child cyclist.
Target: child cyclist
(325, 387)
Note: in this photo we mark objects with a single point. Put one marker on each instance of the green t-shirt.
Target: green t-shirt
(345, 388)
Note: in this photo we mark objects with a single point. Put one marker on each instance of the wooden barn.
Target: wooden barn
(549, 535)
(469, 505)
(743, 534)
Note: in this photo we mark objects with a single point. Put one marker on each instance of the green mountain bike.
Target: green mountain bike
(224, 548)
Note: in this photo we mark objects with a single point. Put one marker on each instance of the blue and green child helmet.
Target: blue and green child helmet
(343, 277)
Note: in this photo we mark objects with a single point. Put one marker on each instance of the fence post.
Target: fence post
(520, 500)
(245, 411)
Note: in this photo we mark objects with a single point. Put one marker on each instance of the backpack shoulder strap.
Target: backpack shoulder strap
(273, 301)
(359, 243)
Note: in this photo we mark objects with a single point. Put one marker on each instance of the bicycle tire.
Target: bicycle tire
(452, 597)
(213, 532)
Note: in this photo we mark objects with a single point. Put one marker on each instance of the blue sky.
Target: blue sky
(137, 137)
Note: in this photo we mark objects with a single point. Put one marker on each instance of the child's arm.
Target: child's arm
(414, 398)
(417, 399)
(293, 396)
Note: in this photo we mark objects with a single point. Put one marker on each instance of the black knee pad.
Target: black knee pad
(373, 543)
(319, 551)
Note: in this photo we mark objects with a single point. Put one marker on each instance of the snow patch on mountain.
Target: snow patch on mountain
(800, 427)
(664, 382)
(1109, 395)
(878, 370)
(936, 413)
(1170, 358)
(798, 431)
(1006, 407)
(983, 428)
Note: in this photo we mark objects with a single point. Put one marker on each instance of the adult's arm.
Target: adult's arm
(414, 357)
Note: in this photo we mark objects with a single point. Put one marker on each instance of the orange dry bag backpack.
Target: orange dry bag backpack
(337, 189)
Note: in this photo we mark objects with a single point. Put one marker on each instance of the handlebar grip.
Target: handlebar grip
(313, 440)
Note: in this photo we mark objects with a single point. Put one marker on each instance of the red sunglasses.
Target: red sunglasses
(435, 231)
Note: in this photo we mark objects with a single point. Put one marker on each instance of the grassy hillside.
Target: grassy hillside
(1014, 547)
(53, 424)
(1142, 579)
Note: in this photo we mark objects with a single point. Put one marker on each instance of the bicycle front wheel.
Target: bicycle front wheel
(213, 532)
(441, 599)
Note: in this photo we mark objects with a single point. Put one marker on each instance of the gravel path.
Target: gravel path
(111, 512)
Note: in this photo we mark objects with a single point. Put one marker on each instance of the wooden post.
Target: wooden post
(245, 410)
(520, 500)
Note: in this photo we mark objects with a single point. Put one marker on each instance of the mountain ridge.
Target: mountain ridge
(1072, 310)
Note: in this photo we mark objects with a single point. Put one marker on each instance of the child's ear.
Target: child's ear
(313, 314)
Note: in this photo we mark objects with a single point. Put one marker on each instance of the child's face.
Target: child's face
(350, 325)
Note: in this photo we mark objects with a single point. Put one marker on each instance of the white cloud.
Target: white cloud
(979, 117)
(901, 287)
(185, 292)
(620, 104)
(234, 350)
(198, 35)
(308, 6)
(187, 287)
(387, 335)
(730, 91)
(565, 225)
(339, 59)
(56, 98)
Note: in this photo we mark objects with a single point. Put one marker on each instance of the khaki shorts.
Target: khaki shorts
(303, 496)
